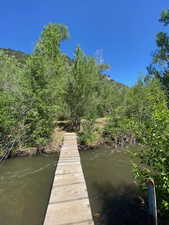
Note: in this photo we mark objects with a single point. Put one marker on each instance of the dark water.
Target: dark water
(25, 185)
(113, 194)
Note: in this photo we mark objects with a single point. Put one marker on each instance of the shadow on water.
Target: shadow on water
(120, 205)
(113, 195)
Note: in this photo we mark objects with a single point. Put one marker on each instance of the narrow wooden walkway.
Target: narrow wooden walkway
(69, 203)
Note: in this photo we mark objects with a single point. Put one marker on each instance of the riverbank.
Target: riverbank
(99, 133)
(92, 134)
(53, 147)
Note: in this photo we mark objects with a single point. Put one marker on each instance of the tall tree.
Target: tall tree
(15, 98)
(50, 40)
(80, 92)
(160, 64)
(46, 67)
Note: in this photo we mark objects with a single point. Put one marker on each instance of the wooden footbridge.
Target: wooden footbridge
(69, 202)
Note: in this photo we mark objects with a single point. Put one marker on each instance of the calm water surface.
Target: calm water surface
(113, 195)
(25, 185)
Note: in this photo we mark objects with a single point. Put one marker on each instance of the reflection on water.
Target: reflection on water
(24, 189)
(112, 192)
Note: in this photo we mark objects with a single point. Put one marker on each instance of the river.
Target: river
(112, 192)
(24, 189)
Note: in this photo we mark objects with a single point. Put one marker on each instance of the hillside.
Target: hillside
(20, 56)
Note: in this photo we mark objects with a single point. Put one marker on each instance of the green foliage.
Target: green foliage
(119, 128)
(87, 135)
(51, 37)
(154, 161)
(160, 62)
(46, 68)
(37, 89)
(14, 93)
(134, 110)
(165, 17)
(47, 85)
(31, 93)
(20, 56)
(154, 126)
(144, 115)
(80, 92)
(110, 95)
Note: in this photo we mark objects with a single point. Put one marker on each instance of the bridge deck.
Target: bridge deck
(69, 203)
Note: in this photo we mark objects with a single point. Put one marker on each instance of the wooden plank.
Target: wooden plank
(69, 202)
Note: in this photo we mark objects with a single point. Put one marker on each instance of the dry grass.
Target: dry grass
(56, 140)
(101, 122)
(59, 132)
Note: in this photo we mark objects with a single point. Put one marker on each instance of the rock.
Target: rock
(26, 152)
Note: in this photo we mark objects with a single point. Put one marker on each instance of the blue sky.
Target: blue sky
(123, 29)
